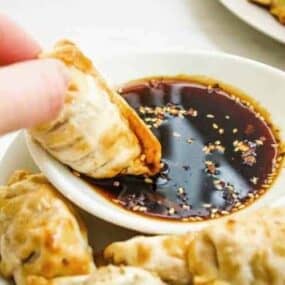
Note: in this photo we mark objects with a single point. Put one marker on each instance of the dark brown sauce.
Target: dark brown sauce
(219, 153)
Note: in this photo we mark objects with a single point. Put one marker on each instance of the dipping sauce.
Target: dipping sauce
(219, 153)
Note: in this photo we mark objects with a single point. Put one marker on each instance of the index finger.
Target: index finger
(15, 43)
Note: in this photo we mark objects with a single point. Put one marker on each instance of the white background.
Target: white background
(108, 26)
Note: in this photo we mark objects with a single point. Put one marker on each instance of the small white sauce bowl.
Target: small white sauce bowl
(262, 82)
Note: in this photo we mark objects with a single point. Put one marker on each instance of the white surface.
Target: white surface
(257, 17)
(108, 26)
(134, 65)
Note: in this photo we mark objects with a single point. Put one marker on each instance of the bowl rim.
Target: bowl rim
(51, 168)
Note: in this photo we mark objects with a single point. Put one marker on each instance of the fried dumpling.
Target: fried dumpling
(97, 133)
(43, 241)
(265, 3)
(164, 255)
(276, 7)
(123, 275)
(246, 250)
(278, 10)
(238, 250)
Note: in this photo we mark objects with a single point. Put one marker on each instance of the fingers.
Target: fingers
(15, 43)
(31, 93)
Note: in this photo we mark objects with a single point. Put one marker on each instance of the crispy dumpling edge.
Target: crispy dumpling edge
(69, 53)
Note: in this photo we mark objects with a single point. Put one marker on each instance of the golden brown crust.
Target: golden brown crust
(165, 256)
(123, 275)
(42, 238)
(276, 7)
(278, 10)
(151, 149)
(245, 250)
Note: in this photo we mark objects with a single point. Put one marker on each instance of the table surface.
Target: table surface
(109, 26)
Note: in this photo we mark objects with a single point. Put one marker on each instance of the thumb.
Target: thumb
(31, 93)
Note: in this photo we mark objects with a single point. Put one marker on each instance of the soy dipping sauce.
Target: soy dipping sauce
(219, 152)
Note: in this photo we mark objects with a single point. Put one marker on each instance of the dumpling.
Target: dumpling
(246, 250)
(238, 250)
(97, 133)
(276, 7)
(124, 275)
(278, 10)
(42, 240)
(164, 255)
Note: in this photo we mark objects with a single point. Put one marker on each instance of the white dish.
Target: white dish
(262, 82)
(256, 17)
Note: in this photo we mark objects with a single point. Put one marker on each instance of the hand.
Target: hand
(31, 90)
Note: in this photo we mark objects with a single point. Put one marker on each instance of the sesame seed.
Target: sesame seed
(227, 117)
(254, 180)
(214, 210)
(136, 208)
(116, 183)
(148, 180)
(175, 134)
(259, 142)
(221, 131)
(235, 130)
(190, 141)
(142, 209)
(180, 190)
(211, 116)
(215, 126)
(171, 211)
(186, 207)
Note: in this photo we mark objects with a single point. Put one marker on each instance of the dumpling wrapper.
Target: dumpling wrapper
(124, 275)
(97, 133)
(43, 241)
(276, 7)
(165, 256)
(278, 10)
(245, 250)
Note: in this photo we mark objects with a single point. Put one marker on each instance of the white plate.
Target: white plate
(262, 82)
(257, 17)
